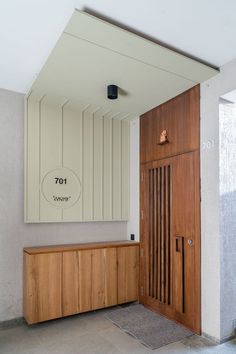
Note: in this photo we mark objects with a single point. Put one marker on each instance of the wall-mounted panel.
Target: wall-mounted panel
(77, 163)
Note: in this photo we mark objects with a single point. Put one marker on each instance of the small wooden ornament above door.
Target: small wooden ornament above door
(163, 137)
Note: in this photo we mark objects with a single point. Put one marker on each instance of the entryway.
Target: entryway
(170, 210)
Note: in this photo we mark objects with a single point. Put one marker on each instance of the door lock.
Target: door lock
(190, 242)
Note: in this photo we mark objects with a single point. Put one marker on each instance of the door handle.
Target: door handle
(179, 240)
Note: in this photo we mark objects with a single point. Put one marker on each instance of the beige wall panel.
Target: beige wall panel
(125, 162)
(51, 152)
(32, 161)
(98, 168)
(73, 154)
(93, 144)
(107, 169)
(87, 193)
(116, 169)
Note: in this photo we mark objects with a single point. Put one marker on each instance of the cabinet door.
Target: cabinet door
(128, 273)
(110, 276)
(70, 283)
(97, 279)
(85, 280)
(104, 278)
(42, 287)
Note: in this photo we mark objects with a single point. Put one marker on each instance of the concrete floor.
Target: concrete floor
(92, 333)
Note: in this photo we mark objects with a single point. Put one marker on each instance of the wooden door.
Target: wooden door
(128, 273)
(170, 245)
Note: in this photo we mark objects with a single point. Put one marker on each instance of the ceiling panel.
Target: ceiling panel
(92, 54)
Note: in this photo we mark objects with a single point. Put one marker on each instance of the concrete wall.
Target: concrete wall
(218, 264)
(227, 149)
(14, 234)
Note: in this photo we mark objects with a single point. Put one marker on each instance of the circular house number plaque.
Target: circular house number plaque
(61, 187)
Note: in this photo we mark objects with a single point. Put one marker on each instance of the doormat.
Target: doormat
(151, 329)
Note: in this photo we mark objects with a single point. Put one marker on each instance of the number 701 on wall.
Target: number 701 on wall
(59, 180)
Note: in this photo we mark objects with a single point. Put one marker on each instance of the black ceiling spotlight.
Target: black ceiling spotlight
(112, 92)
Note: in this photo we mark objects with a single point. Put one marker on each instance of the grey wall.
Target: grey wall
(14, 234)
(218, 208)
(227, 149)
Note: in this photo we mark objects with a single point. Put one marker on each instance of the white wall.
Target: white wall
(14, 234)
(217, 312)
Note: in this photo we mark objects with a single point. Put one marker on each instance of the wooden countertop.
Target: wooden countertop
(78, 246)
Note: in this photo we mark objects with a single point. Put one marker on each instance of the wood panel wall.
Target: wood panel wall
(92, 143)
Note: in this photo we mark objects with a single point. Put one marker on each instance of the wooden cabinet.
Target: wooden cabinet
(69, 279)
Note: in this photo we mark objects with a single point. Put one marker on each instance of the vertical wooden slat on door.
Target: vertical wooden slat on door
(150, 233)
(155, 196)
(159, 234)
(167, 213)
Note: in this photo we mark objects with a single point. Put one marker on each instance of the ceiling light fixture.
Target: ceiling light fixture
(112, 92)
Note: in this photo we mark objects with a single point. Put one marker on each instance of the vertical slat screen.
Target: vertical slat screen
(159, 234)
(92, 143)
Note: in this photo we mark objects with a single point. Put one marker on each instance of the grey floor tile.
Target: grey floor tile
(175, 348)
(92, 333)
(123, 341)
